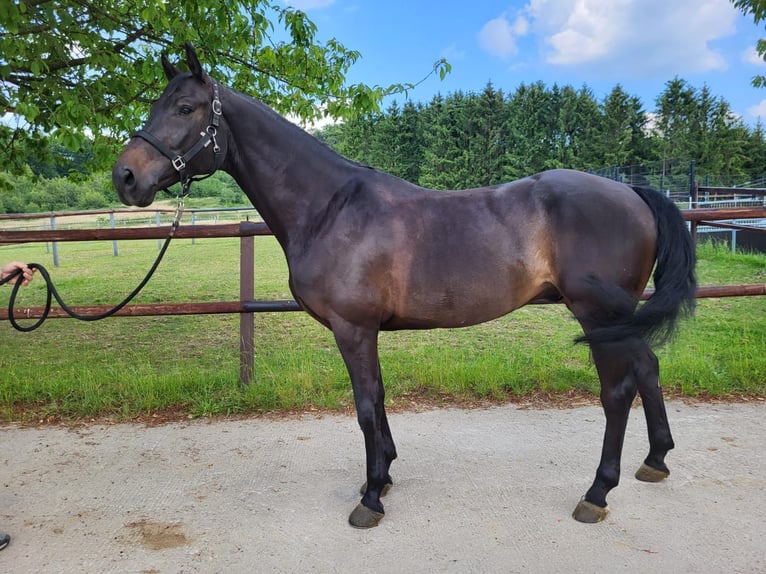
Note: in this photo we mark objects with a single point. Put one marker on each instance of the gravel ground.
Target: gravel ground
(486, 490)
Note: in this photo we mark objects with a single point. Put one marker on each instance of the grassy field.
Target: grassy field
(130, 368)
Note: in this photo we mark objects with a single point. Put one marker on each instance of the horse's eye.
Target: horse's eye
(184, 111)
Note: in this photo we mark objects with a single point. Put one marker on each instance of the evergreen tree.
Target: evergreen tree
(676, 110)
(531, 127)
(579, 120)
(489, 138)
(754, 151)
(623, 139)
(472, 140)
(384, 145)
(445, 142)
(411, 142)
(721, 136)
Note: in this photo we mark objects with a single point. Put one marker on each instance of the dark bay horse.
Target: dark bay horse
(368, 251)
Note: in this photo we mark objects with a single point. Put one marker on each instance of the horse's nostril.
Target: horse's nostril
(123, 179)
(127, 177)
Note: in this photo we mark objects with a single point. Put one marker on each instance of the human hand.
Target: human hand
(26, 272)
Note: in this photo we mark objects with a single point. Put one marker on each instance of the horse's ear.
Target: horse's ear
(170, 70)
(193, 62)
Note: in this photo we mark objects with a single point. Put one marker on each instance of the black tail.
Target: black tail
(674, 282)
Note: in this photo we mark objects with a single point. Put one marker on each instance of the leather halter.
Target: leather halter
(179, 161)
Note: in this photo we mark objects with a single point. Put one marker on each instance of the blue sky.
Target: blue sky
(639, 44)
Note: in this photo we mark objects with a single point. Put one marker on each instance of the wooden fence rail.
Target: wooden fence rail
(246, 306)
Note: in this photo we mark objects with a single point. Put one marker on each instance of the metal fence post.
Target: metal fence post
(694, 197)
(692, 186)
(159, 223)
(114, 241)
(55, 243)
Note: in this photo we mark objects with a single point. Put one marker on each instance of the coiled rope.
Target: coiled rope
(52, 292)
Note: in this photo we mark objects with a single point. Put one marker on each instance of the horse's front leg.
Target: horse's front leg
(359, 347)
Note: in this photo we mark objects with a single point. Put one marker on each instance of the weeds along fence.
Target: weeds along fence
(246, 231)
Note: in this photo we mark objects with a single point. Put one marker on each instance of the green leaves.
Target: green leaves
(756, 8)
(443, 67)
(92, 67)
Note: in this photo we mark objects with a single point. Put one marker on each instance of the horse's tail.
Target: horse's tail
(674, 282)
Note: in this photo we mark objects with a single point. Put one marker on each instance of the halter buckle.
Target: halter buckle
(178, 163)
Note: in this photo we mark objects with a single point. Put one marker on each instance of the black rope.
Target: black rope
(52, 292)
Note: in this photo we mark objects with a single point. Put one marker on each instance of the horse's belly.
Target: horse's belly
(456, 308)
(441, 320)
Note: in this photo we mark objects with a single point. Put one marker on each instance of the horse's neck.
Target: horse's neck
(286, 173)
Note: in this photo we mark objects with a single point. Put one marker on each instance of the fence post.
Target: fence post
(694, 196)
(55, 243)
(114, 241)
(246, 320)
(159, 224)
(692, 183)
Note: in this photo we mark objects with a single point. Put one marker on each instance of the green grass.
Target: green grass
(128, 368)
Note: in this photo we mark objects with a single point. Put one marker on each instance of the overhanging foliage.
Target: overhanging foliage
(89, 68)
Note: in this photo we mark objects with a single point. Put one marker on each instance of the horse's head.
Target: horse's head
(178, 141)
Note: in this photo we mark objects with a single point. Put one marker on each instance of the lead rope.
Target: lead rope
(52, 292)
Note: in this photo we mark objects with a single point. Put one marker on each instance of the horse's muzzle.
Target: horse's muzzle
(125, 184)
(137, 179)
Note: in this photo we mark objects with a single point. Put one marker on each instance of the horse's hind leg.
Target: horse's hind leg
(360, 353)
(654, 468)
(624, 368)
(618, 389)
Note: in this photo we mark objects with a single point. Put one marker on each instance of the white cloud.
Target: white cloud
(750, 55)
(589, 32)
(498, 36)
(309, 4)
(758, 110)
(452, 53)
(649, 37)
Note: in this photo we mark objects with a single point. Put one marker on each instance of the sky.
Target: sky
(639, 44)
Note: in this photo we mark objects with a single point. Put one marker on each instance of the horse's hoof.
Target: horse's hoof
(383, 492)
(650, 474)
(589, 513)
(363, 517)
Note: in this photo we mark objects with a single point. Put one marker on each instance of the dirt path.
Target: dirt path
(476, 491)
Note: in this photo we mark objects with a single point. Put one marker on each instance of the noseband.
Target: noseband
(179, 161)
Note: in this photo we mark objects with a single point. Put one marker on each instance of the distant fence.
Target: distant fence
(677, 177)
(120, 218)
(739, 231)
(246, 306)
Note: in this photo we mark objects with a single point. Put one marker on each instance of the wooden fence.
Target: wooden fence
(246, 306)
